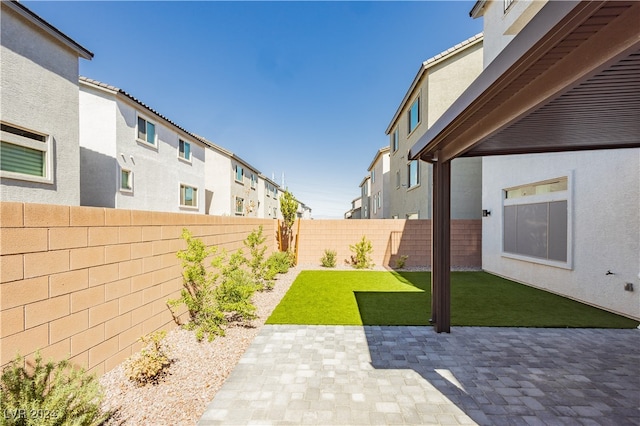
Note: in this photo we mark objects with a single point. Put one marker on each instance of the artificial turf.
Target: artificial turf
(404, 298)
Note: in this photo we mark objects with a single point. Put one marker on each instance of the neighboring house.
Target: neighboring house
(39, 110)
(365, 197)
(304, 211)
(356, 209)
(244, 188)
(561, 221)
(379, 173)
(439, 81)
(132, 157)
(218, 200)
(268, 191)
(554, 115)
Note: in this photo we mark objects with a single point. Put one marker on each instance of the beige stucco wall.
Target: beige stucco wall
(39, 92)
(440, 85)
(244, 190)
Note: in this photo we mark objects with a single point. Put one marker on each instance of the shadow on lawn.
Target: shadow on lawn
(394, 308)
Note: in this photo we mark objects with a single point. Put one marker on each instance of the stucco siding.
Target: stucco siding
(39, 92)
(604, 222)
(218, 182)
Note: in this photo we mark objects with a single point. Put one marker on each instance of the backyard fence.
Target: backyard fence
(86, 283)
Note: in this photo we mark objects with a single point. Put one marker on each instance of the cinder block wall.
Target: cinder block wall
(391, 238)
(88, 282)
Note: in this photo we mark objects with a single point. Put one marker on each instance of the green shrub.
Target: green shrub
(280, 262)
(49, 394)
(150, 364)
(213, 299)
(361, 259)
(328, 260)
(260, 269)
(400, 262)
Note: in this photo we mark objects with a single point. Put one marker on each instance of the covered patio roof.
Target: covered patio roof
(569, 81)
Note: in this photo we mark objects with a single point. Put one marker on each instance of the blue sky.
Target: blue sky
(301, 88)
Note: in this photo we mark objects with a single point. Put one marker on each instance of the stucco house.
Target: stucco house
(133, 157)
(438, 82)
(554, 115)
(365, 197)
(269, 197)
(380, 181)
(40, 154)
(355, 212)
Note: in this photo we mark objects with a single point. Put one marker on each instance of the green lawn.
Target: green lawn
(404, 298)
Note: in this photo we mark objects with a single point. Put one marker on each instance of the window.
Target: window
(275, 212)
(184, 150)
(394, 140)
(239, 205)
(397, 178)
(375, 203)
(239, 173)
(275, 192)
(366, 213)
(536, 221)
(414, 115)
(146, 131)
(379, 200)
(373, 176)
(188, 196)
(254, 181)
(126, 180)
(25, 155)
(414, 173)
(507, 4)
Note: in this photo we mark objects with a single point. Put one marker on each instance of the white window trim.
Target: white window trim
(143, 142)
(395, 140)
(33, 144)
(125, 190)
(185, 207)
(254, 181)
(235, 205)
(186, 160)
(542, 198)
(235, 174)
(417, 185)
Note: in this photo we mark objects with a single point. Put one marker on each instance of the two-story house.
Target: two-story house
(269, 196)
(380, 180)
(355, 212)
(39, 151)
(438, 82)
(365, 197)
(554, 115)
(133, 157)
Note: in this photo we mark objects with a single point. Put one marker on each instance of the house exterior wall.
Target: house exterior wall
(157, 171)
(604, 221)
(218, 182)
(501, 26)
(365, 196)
(270, 201)
(243, 189)
(441, 84)
(39, 86)
(380, 187)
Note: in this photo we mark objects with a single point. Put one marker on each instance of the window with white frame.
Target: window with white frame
(394, 140)
(25, 155)
(239, 173)
(146, 131)
(254, 181)
(275, 212)
(379, 200)
(126, 180)
(413, 116)
(239, 205)
(275, 192)
(507, 4)
(398, 182)
(366, 212)
(184, 150)
(188, 196)
(536, 222)
(375, 203)
(413, 169)
(373, 176)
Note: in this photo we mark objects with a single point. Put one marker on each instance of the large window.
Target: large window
(188, 196)
(413, 169)
(24, 155)
(414, 115)
(184, 150)
(254, 181)
(536, 221)
(146, 131)
(394, 140)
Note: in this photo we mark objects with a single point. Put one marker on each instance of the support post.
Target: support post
(441, 247)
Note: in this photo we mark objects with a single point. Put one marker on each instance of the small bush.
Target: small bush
(280, 262)
(400, 262)
(149, 365)
(361, 259)
(328, 260)
(49, 394)
(233, 296)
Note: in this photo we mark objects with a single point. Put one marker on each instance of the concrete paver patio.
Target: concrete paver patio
(351, 375)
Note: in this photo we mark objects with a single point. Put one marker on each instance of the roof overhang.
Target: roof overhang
(570, 80)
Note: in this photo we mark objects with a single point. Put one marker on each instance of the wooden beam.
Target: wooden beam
(441, 247)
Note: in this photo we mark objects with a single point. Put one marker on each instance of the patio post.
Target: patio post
(441, 247)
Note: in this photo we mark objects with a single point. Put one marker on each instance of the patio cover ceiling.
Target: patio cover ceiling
(570, 80)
